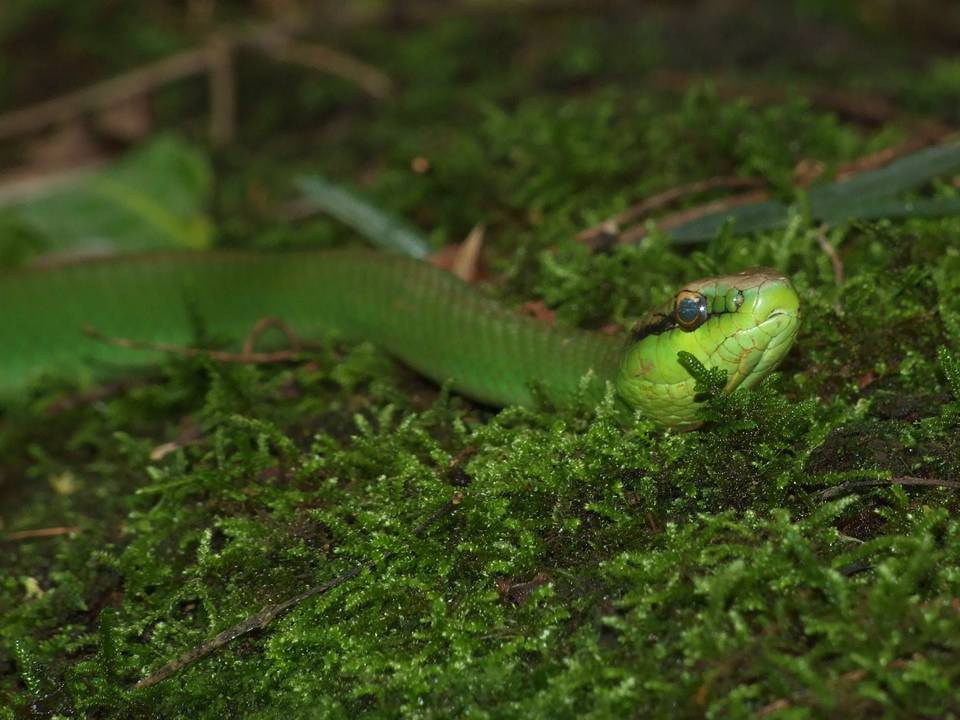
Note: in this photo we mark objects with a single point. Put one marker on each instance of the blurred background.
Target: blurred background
(538, 119)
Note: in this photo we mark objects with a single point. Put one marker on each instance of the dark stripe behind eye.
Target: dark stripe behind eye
(653, 325)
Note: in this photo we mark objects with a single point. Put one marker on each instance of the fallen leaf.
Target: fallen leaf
(806, 171)
(541, 312)
(866, 380)
(462, 259)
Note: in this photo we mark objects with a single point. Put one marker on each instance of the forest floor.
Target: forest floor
(796, 557)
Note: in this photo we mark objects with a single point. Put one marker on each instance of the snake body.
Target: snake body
(440, 326)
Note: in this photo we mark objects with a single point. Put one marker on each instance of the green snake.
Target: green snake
(438, 325)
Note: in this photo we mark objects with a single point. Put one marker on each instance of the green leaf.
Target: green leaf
(905, 173)
(709, 381)
(154, 198)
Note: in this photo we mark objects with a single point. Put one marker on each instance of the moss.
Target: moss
(595, 566)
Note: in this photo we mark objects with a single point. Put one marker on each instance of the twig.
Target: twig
(200, 13)
(831, 253)
(42, 533)
(266, 615)
(264, 324)
(667, 197)
(222, 91)
(109, 92)
(684, 216)
(905, 480)
(519, 593)
(876, 160)
(251, 358)
(215, 58)
(318, 57)
(18, 188)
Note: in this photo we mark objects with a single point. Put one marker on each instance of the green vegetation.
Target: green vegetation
(782, 562)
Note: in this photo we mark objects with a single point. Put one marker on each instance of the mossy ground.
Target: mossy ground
(588, 569)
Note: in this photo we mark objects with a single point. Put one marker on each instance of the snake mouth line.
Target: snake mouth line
(795, 314)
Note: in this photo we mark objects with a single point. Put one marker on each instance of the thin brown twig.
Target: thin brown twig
(319, 57)
(879, 159)
(250, 358)
(247, 355)
(215, 58)
(905, 480)
(268, 613)
(264, 324)
(831, 253)
(108, 92)
(42, 532)
(682, 217)
(17, 187)
(667, 197)
(222, 91)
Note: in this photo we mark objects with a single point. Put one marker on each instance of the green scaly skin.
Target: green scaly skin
(753, 318)
(433, 322)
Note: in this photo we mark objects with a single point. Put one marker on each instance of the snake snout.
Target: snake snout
(777, 298)
(779, 312)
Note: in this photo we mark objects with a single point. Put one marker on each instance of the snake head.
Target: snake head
(743, 323)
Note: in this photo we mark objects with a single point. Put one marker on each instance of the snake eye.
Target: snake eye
(690, 310)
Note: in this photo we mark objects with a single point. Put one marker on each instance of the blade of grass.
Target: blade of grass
(867, 196)
(381, 228)
(905, 173)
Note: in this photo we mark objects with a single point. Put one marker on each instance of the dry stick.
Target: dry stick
(200, 13)
(879, 159)
(247, 355)
(318, 57)
(222, 91)
(42, 533)
(684, 216)
(905, 480)
(655, 202)
(213, 58)
(17, 188)
(263, 618)
(109, 92)
(264, 324)
(831, 253)
(251, 358)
